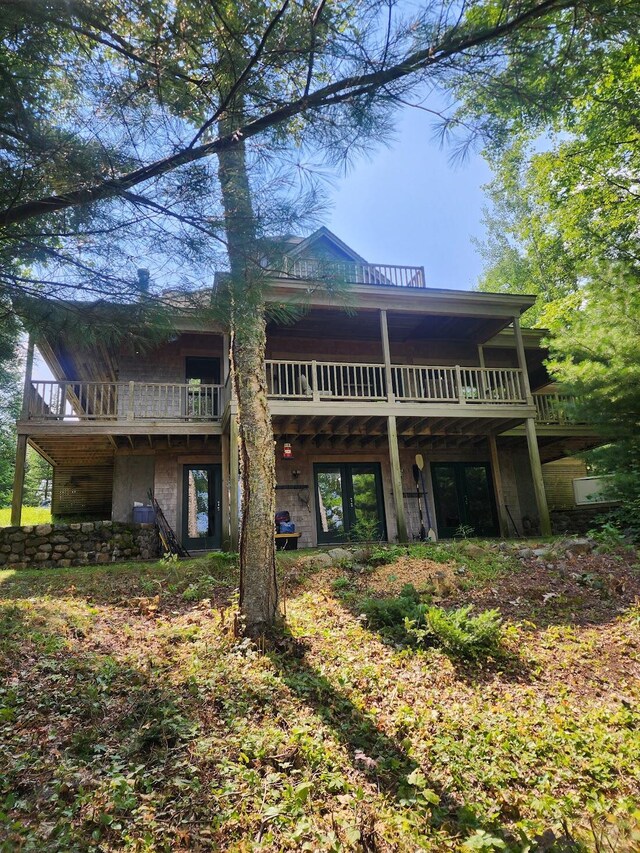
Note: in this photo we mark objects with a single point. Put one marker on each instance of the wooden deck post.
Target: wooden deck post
(224, 508)
(396, 478)
(234, 478)
(132, 392)
(386, 352)
(536, 473)
(315, 388)
(481, 362)
(18, 481)
(21, 443)
(503, 519)
(522, 360)
(461, 392)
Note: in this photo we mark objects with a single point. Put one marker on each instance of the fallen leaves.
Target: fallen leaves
(131, 720)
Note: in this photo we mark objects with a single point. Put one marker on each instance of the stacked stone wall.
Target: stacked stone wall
(51, 545)
(579, 519)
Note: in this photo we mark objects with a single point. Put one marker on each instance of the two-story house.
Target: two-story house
(355, 393)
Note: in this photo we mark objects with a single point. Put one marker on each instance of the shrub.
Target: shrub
(408, 620)
(384, 554)
(609, 537)
(389, 615)
(341, 584)
(365, 530)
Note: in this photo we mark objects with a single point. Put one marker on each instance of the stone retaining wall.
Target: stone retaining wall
(47, 545)
(580, 519)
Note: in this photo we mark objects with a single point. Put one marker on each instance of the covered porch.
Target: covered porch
(470, 479)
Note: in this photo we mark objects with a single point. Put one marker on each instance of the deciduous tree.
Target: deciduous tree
(565, 224)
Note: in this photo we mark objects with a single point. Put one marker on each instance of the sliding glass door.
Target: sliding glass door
(464, 500)
(349, 501)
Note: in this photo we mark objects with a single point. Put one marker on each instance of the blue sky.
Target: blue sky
(409, 205)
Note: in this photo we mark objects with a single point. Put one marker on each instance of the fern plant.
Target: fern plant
(407, 619)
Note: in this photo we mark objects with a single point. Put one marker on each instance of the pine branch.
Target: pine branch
(347, 88)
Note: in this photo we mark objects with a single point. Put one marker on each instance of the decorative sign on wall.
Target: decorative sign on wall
(287, 452)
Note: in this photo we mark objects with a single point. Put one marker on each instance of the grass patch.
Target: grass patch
(30, 515)
(131, 719)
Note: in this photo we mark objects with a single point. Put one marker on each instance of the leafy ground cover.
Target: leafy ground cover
(131, 717)
(30, 515)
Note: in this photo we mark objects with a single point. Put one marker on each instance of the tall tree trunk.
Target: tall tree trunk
(258, 587)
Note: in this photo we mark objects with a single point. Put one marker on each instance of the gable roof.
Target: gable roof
(305, 247)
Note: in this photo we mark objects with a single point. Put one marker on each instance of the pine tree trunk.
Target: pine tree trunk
(258, 587)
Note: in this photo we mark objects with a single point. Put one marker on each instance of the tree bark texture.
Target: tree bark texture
(258, 587)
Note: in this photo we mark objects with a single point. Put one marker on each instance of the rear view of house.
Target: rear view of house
(357, 389)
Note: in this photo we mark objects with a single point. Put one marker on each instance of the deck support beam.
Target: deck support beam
(503, 519)
(396, 478)
(225, 514)
(234, 480)
(536, 475)
(18, 481)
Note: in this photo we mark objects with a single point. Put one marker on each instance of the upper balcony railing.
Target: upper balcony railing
(124, 401)
(330, 381)
(312, 269)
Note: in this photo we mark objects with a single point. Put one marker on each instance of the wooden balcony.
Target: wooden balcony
(314, 383)
(334, 381)
(132, 402)
(388, 275)
(555, 409)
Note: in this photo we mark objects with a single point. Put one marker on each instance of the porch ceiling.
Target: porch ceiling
(100, 449)
(65, 450)
(365, 431)
(553, 447)
(364, 325)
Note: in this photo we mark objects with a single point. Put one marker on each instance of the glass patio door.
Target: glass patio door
(201, 507)
(463, 494)
(349, 501)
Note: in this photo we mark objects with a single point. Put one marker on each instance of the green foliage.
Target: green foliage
(564, 223)
(10, 399)
(389, 615)
(626, 517)
(464, 531)
(383, 554)
(457, 632)
(159, 723)
(596, 352)
(38, 479)
(341, 584)
(366, 529)
(609, 537)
